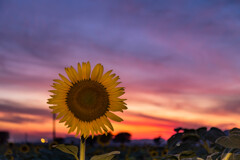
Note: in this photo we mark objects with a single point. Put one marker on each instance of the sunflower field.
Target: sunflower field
(185, 144)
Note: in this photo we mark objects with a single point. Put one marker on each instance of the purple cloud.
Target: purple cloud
(9, 107)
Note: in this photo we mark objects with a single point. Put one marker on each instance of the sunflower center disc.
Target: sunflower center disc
(88, 100)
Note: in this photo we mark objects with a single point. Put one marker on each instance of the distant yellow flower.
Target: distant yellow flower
(24, 148)
(37, 149)
(8, 152)
(9, 157)
(52, 144)
(164, 152)
(104, 140)
(87, 99)
(153, 153)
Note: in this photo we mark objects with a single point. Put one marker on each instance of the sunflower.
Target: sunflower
(9, 157)
(37, 149)
(104, 140)
(86, 100)
(24, 148)
(164, 152)
(52, 144)
(8, 152)
(153, 153)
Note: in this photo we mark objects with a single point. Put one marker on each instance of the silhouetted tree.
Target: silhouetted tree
(122, 137)
(178, 129)
(158, 140)
(4, 136)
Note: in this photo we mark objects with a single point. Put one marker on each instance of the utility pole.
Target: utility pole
(54, 127)
(26, 138)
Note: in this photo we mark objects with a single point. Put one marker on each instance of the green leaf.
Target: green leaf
(73, 149)
(190, 137)
(227, 156)
(234, 131)
(236, 156)
(187, 154)
(231, 141)
(202, 132)
(70, 149)
(214, 156)
(170, 157)
(107, 156)
(213, 134)
(174, 139)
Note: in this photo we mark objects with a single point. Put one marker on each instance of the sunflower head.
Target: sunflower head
(164, 152)
(52, 144)
(86, 99)
(104, 140)
(153, 153)
(24, 148)
(37, 149)
(8, 152)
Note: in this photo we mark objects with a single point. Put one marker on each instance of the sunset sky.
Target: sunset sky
(178, 60)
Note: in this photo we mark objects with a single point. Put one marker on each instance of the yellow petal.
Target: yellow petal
(100, 73)
(51, 107)
(60, 115)
(65, 80)
(117, 107)
(107, 122)
(59, 87)
(84, 130)
(97, 126)
(105, 76)
(57, 91)
(111, 82)
(70, 75)
(113, 86)
(118, 94)
(101, 124)
(78, 128)
(91, 129)
(84, 70)
(88, 70)
(57, 80)
(113, 117)
(117, 89)
(74, 73)
(58, 96)
(74, 125)
(55, 101)
(108, 79)
(94, 127)
(61, 82)
(95, 72)
(80, 72)
(64, 118)
(87, 130)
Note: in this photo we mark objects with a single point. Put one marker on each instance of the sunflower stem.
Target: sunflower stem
(82, 148)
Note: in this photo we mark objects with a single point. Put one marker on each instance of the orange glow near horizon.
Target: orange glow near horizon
(144, 120)
(149, 115)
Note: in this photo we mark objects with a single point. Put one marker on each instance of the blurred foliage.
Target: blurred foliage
(158, 141)
(122, 137)
(104, 140)
(185, 144)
